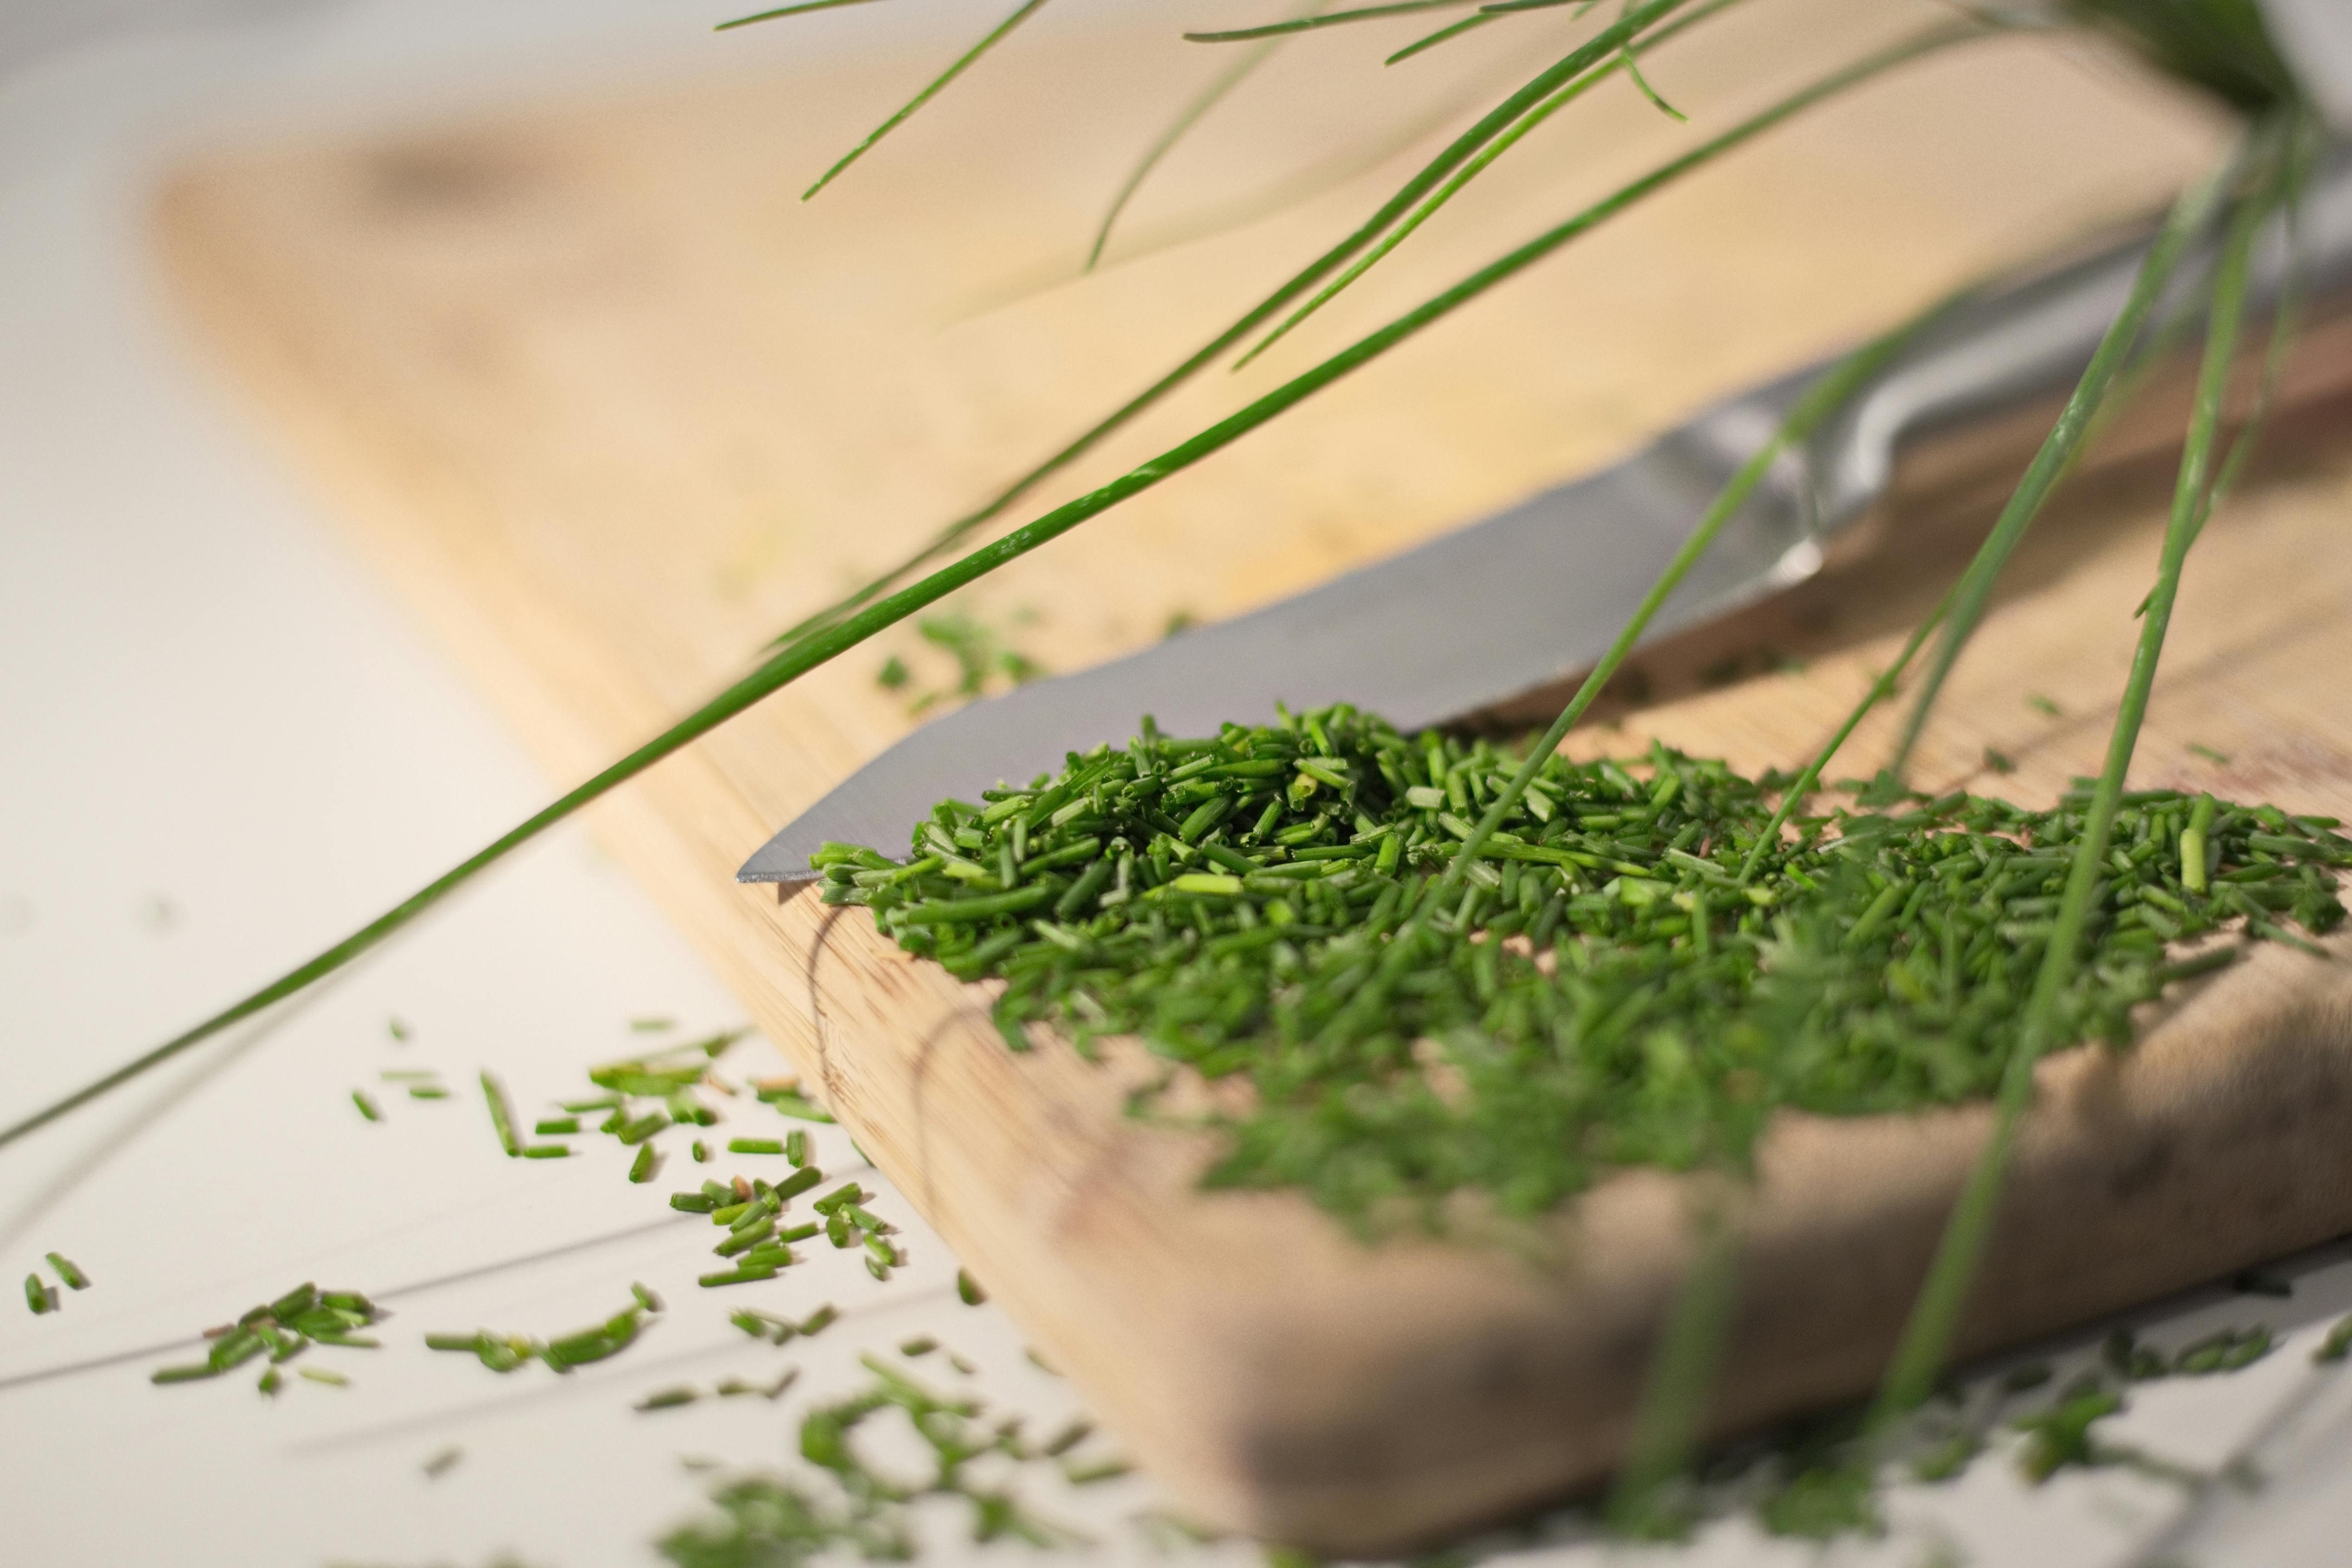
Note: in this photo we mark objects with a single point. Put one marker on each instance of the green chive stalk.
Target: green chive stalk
(2190, 217)
(788, 663)
(1666, 1422)
(1928, 1336)
(1336, 18)
(1478, 166)
(931, 89)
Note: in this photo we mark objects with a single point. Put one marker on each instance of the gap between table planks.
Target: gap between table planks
(606, 406)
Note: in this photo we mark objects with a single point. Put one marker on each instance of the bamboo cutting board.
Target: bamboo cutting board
(608, 407)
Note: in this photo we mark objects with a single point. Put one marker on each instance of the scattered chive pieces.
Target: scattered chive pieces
(368, 1106)
(646, 1298)
(397, 1027)
(667, 1399)
(919, 1345)
(442, 1463)
(651, 1026)
(818, 1321)
(546, 1151)
(2043, 705)
(754, 1146)
(641, 1169)
(326, 1375)
(68, 1272)
(1068, 1438)
(2219, 759)
(2337, 1345)
(1999, 761)
(501, 1116)
(427, 1091)
(701, 1153)
(796, 1144)
(283, 1328)
(556, 1126)
(37, 1296)
(968, 1288)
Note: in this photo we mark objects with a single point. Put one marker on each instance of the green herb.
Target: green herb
(666, 1399)
(368, 1106)
(66, 1272)
(642, 1168)
(651, 1026)
(2219, 759)
(501, 1116)
(919, 1345)
(1875, 962)
(283, 1330)
(320, 1374)
(968, 1288)
(555, 1126)
(546, 1151)
(397, 1028)
(427, 1091)
(2043, 705)
(41, 1298)
(755, 1146)
(796, 1147)
(443, 1462)
(2337, 1345)
(1999, 761)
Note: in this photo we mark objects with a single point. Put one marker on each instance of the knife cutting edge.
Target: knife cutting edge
(1532, 596)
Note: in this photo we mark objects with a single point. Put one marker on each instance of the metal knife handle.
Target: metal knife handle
(2019, 346)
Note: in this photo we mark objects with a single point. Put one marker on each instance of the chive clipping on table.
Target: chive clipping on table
(582, 1347)
(441, 1462)
(68, 1272)
(368, 1106)
(282, 1330)
(968, 1288)
(1632, 973)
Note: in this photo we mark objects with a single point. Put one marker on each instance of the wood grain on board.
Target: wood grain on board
(607, 405)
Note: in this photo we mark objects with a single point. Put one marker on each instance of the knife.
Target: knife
(1532, 597)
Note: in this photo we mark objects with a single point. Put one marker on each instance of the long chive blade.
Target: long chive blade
(1928, 1335)
(1442, 35)
(964, 62)
(1501, 143)
(1191, 114)
(2188, 217)
(1490, 124)
(782, 11)
(1332, 19)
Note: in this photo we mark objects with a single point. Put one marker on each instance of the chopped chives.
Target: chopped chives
(37, 1296)
(667, 1399)
(919, 1345)
(968, 1288)
(66, 1272)
(796, 1146)
(427, 1091)
(818, 1321)
(443, 1462)
(368, 1106)
(556, 1126)
(799, 1182)
(642, 1168)
(755, 1146)
(701, 1153)
(546, 1151)
(326, 1375)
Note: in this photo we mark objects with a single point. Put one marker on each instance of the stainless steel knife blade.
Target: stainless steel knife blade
(1533, 596)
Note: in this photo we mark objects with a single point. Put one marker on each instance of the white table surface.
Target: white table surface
(221, 745)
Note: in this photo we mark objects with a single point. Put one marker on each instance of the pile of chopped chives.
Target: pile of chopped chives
(598, 1342)
(1610, 987)
(283, 1330)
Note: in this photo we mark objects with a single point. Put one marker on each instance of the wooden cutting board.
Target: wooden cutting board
(607, 405)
